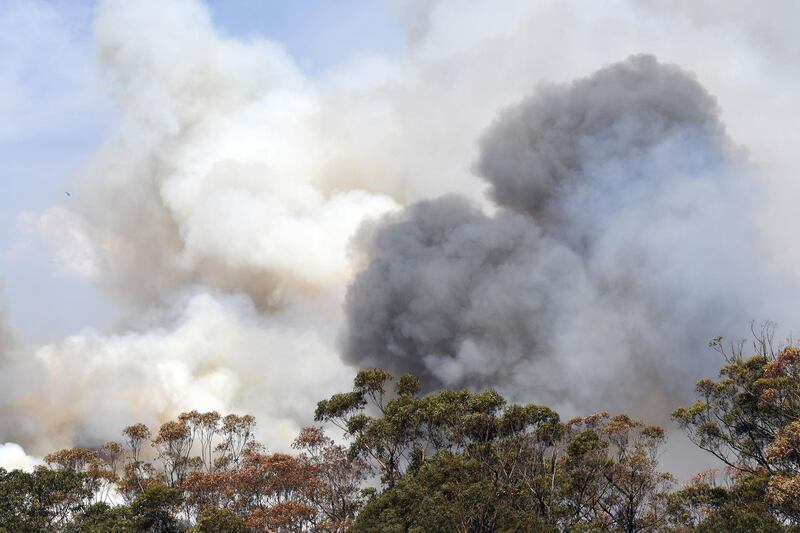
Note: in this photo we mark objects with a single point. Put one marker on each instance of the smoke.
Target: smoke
(621, 229)
(215, 174)
(622, 218)
(595, 147)
(209, 352)
(207, 217)
(6, 333)
(13, 457)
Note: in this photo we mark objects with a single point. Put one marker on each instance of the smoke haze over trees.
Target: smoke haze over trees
(453, 460)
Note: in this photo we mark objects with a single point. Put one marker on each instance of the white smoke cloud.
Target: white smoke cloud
(219, 211)
(208, 212)
(209, 352)
(215, 174)
(13, 457)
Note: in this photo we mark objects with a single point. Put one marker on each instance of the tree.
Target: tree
(333, 487)
(155, 508)
(98, 467)
(203, 490)
(237, 438)
(707, 505)
(103, 518)
(136, 472)
(205, 427)
(214, 520)
(42, 501)
(458, 460)
(173, 445)
(750, 420)
(634, 495)
(384, 440)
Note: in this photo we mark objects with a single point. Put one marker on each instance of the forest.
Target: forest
(449, 460)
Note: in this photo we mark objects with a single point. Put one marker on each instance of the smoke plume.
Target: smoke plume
(621, 221)
(208, 219)
(581, 251)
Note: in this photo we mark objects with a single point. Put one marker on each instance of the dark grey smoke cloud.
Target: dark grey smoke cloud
(447, 281)
(618, 248)
(594, 147)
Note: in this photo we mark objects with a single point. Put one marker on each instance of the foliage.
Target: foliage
(42, 501)
(215, 520)
(463, 461)
(155, 509)
(750, 419)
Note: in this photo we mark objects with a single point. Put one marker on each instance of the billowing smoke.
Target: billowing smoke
(215, 176)
(211, 351)
(12, 455)
(572, 157)
(619, 242)
(207, 217)
(621, 227)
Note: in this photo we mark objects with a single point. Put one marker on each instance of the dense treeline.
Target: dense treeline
(454, 460)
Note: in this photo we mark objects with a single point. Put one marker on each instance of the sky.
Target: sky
(231, 204)
(51, 105)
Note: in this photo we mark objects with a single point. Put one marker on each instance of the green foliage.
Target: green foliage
(458, 460)
(41, 501)
(740, 508)
(735, 519)
(339, 406)
(750, 419)
(154, 509)
(448, 493)
(408, 385)
(102, 518)
(213, 520)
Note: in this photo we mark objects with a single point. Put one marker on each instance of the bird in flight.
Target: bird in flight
(67, 193)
